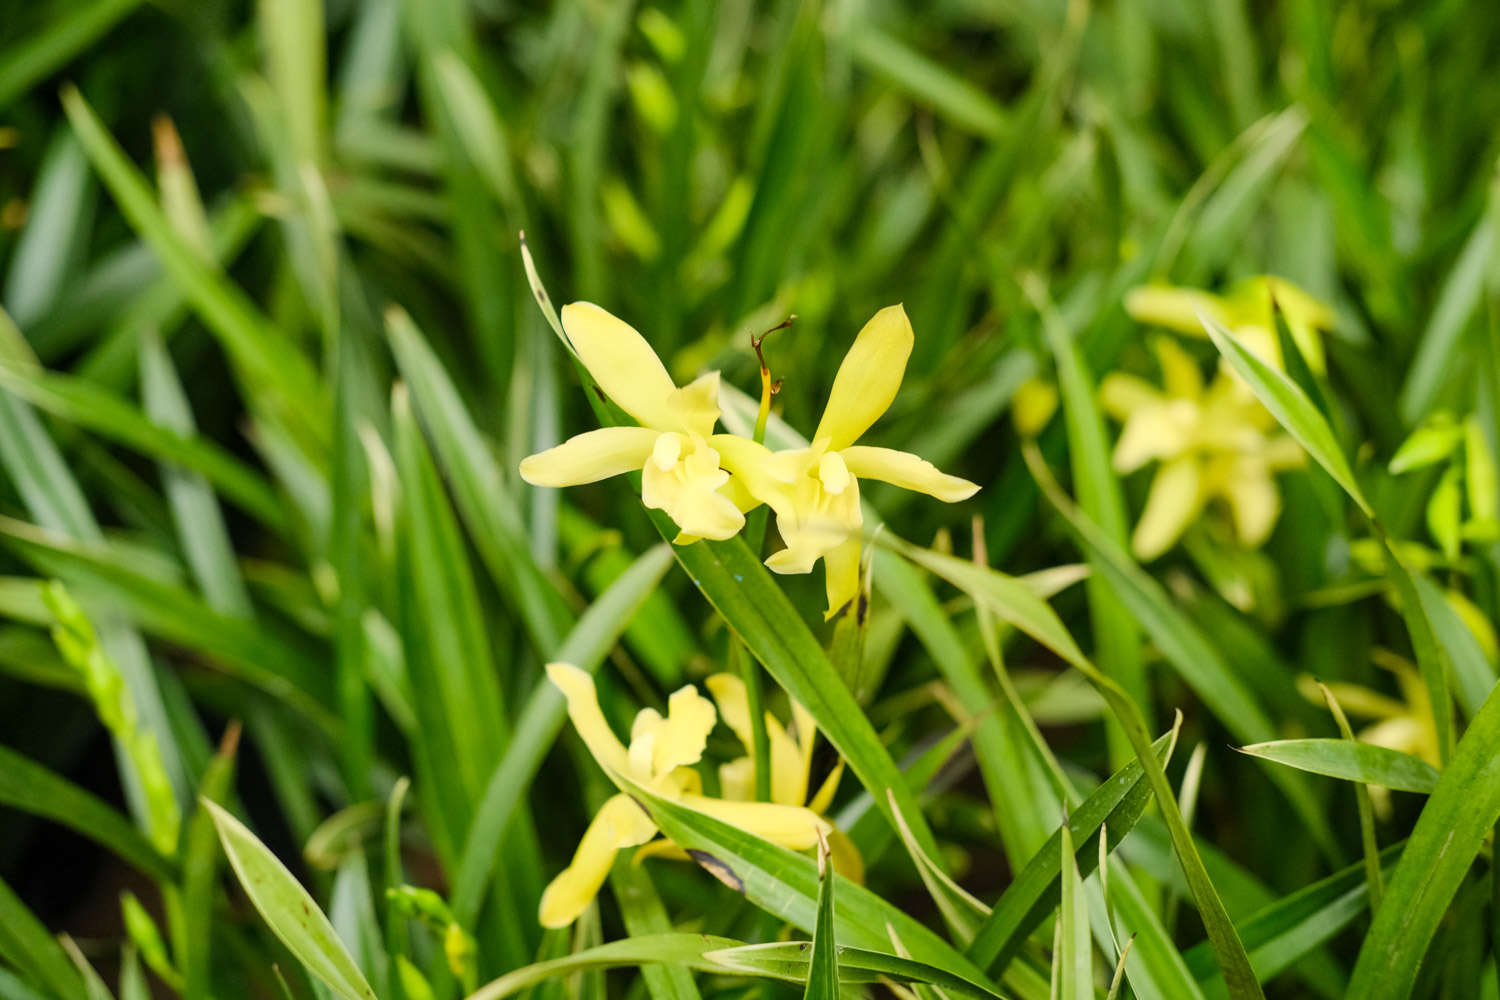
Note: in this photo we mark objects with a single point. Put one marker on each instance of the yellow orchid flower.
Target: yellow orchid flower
(1247, 311)
(660, 756)
(674, 444)
(815, 490)
(791, 758)
(1213, 441)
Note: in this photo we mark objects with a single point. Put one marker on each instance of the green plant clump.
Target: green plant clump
(682, 500)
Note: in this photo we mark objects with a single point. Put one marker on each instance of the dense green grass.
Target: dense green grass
(270, 580)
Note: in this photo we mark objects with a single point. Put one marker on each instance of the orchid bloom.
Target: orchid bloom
(672, 446)
(1247, 311)
(1213, 441)
(815, 490)
(660, 757)
(791, 758)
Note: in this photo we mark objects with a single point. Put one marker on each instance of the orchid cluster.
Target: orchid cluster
(1212, 440)
(707, 482)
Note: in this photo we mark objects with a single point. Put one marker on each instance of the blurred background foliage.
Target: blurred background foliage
(200, 243)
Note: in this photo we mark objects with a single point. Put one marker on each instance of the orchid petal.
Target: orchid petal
(1172, 503)
(684, 479)
(794, 827)
(903, 469)
(1160, 431)
(682, 735)
(590, 457)
(623, 364)
(841, 575)
(1180, 374)
(695, 407)
(867, 380)
(1175, 308)
(619, 823)
(1121, 394)
(662, 848)
(1254, 502)
(583, 709)
(788, 776)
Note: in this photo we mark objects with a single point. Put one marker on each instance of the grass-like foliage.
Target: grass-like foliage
(696, 500)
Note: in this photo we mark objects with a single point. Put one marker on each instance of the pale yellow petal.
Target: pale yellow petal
(1282, 452)
(695, 407)
(1121, 394)
(820, 802)
(794, 827)
(662, 848)
(590, 457)
(619, 823)
(623, 364)
(737, 780)
(903, 469)
(868, 379)
(1180, 374)
(1163, 430)
(683, 478)
(1254, 502)
(684, 733)
(841, 569)
(1174, 308)
(1032, 406)
(754, 471)
(788, 776)
(583, 708)
(1172, 503)
(1305, 317)
(845, 857)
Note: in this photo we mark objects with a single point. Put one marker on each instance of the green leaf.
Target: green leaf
(823, 964)
(25, 63)
(1362, 762)
(95, 409)
(1187, 648)
(30, 787)
(1427, 445)
(961, 911)
(287, 909)
(541, 719)
(790, 960)
(785, 884)
(1034, 893)
(1074, 960)
(757, 611)
(1018, 604)
(644, 914)
(26, 945)
(1291, 408)
(1449, 833)
(279, 376)
(195, 510)
(487, 508)
(255, 654)
(685, 950)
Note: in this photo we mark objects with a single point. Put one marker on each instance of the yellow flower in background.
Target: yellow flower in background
(1213, 441)
(660, 757)
(674, 444)
(1247, 311)
(815, 490)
